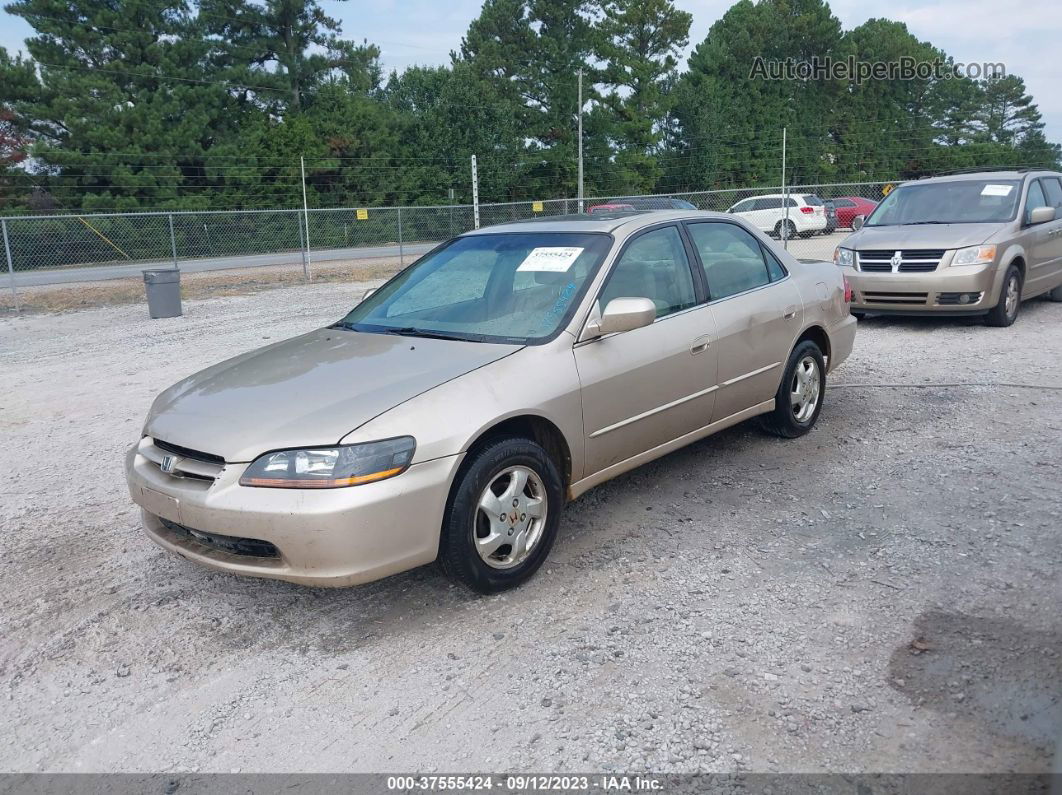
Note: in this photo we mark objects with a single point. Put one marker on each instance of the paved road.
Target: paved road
(810, 248)
(95, 273)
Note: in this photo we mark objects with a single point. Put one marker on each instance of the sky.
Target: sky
(1024, 36)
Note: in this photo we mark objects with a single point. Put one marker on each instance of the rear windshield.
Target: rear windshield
(974, 201)
(813, 200)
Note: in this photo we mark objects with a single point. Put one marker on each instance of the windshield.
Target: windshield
(514, 287)
(955, 202)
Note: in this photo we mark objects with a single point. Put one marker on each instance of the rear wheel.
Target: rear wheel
(502, 517)
(1005, 312)
(785, 230)
(799, 398)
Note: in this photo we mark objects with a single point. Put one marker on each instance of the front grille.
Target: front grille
(247, 547)
(186, 452)
(900, 299)
(913, 260)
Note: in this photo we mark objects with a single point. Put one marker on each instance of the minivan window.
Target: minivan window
(971, 201)
(507, 287)
(1053, 191)
(1034, 199)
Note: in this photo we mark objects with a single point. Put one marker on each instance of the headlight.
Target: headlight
(844, 257)
(331, 467)
(974, 255)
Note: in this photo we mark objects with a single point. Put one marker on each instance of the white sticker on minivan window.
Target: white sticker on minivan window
(554, 259)
(996, 190)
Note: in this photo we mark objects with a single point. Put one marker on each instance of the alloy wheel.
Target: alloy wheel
(805, 389)
(510, 517)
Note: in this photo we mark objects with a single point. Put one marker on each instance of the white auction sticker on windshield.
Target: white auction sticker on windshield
(553, 259)
(996, 190)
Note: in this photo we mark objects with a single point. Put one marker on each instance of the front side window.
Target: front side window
(509, 287)
(732, 258)
(1052, 191)
(743, 206)
(964, 201)
(1035, 199)
(653, 266)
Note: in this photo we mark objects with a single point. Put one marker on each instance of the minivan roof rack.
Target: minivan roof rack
(979, 169)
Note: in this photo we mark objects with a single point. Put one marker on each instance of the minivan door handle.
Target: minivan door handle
(699, 345)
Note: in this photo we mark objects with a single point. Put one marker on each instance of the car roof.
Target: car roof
(793, 195)
(628, 221)
(972, 175)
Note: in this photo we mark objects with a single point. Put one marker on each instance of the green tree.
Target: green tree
(640, 44)
(1006, 114)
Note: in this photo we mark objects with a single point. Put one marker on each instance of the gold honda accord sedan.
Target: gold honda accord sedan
(452, 413)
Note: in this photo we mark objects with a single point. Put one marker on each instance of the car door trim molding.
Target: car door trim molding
(609, 472)
(753, 374)
(646, 414)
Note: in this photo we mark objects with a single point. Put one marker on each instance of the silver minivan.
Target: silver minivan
(963, 244)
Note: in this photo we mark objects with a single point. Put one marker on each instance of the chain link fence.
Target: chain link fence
(71, 248)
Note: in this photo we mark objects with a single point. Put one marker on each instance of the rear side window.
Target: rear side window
(732, 258)
(1053, 191)
(774, 267)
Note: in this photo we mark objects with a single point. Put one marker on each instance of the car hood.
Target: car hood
(921, 236)
(308, 391)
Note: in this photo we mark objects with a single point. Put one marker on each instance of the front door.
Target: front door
(645, 387)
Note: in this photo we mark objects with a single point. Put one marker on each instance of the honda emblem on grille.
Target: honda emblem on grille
(896, 261)
(167, 463)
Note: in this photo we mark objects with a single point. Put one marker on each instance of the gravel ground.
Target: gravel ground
(880, 595)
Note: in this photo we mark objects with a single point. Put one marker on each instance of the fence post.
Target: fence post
(173, 244)
(475, 193)
(10, 265)
(305, 220)
(401, 252)
(785, 199)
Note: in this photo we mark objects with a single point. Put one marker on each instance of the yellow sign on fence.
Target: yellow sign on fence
(363, 215)
(885, 191)
(536, 207)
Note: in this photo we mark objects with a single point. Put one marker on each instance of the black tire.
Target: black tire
(858, 315)
(783, 225)
(783, 421)
(458, 555)
(998, 316)
(1055, 295)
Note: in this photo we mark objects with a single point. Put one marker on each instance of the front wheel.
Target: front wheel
(502, 516)
(799, 398)
(1005, 312)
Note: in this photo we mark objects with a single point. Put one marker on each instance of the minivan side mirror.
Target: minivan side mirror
(858, 221)
(623, 314)
(1041, 215)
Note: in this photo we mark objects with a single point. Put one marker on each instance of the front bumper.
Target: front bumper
(327, 537)
(965, 289)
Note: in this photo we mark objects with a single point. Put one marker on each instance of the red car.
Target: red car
(848, 207)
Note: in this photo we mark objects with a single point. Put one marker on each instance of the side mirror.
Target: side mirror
(367, 293)
(858, 221)
(623, 314)
(1041, 215)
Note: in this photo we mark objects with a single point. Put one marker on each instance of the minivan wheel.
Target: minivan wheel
(1005, 312)
(502, 516)
(799, 398)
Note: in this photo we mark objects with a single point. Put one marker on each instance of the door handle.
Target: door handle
(790, 312)
(699, 345)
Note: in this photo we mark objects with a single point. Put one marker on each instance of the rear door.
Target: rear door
(1052, 187)
(756, 309)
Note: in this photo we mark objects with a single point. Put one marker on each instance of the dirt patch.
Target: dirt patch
(206, 284)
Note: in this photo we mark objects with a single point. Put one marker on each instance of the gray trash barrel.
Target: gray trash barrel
(163, 292)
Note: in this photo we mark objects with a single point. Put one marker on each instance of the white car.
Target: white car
(806, 214)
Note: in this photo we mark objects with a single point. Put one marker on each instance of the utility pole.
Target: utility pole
(306, 221)
(475, 193)
(10, 265)
(580, 188)
(785, 198)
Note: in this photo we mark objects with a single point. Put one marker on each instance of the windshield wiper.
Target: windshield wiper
(412, 331)
(920, 223)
